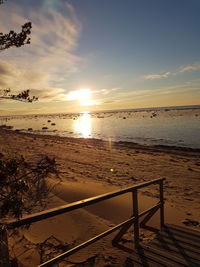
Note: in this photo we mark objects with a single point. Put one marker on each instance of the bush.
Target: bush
(22, 184)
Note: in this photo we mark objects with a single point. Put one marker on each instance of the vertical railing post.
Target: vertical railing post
(136, 221)
(162, 205)
(4, 252)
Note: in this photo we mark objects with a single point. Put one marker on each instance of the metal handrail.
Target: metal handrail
(75, 205)
(10, 224)
(94, 239)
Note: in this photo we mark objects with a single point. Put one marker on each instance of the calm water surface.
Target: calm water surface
(158, 127)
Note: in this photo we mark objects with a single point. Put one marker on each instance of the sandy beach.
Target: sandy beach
(90, 167)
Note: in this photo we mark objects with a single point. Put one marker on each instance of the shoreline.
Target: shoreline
(126, 144)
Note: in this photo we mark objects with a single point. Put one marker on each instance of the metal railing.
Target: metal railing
(124, 226)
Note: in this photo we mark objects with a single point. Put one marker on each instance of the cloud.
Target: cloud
(49, 94)
(38, 83)
(136, 96)
(20, 78)
(192, 67)
(108, 90)
(157, 76)
(5, 69)
(50, 58)
(10, 76)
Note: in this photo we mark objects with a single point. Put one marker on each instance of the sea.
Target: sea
(166, 126)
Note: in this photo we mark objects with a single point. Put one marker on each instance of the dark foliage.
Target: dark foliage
(16, 39)
(23, 96)
(22, 184)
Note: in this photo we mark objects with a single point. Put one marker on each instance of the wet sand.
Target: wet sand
(90, 167)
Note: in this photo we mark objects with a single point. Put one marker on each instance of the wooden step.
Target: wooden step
(168, 258)
(139, 258)
(183, 229)
(174, 246)
(177, 251)
(193, 235)
(144, 260)
(166, 240)
(180, 239)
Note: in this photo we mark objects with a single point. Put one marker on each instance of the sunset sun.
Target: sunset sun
(83, 95)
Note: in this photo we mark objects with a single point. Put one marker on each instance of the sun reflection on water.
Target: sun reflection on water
(83, 125)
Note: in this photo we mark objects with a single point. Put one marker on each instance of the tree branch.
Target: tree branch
(16, 39)
(23, 96)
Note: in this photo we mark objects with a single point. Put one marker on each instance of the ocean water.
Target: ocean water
(166, 126)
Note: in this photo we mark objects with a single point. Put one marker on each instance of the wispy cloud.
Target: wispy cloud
(158, 76)
(21, 78)
(135, 96)
(194, 66)
(186, 68)
(49, 94)
(51, 54)
(106, 91)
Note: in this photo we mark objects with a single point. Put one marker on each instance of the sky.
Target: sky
(90, 55)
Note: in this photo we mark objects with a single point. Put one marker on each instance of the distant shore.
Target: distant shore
(89, 167)
(192, 107)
